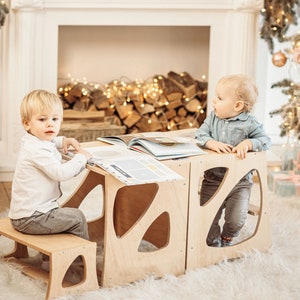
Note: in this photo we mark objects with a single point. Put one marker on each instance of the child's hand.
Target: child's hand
(84, 152)
(242, 148)
(67, 142)
(218, 147)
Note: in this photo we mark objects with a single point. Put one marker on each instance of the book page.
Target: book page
(171, 149)
(131, 139)
(142, 149)
(121, 140)
(131, 167)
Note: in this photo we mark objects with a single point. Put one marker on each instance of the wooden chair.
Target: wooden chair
(200, 218)
(62, 250)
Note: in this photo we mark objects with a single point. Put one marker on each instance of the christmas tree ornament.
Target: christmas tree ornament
(296, 55)
(279, 59)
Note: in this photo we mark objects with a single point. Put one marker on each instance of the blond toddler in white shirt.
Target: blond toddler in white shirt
(36, 184)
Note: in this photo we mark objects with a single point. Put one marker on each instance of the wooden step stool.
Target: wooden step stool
(62, 250)
(200, 218)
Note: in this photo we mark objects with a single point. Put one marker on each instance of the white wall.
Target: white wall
(106, 53)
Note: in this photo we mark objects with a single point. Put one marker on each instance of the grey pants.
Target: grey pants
(236, 209)
(58, 220)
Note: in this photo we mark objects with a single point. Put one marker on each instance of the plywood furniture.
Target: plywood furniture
(155, 213)
(168, 215)
(199, 254)
(62, 250)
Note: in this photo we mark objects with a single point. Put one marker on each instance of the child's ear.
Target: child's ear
(26, 125)
(239, 105)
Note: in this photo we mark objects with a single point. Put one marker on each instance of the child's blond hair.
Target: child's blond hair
(245, 89)
(39, 101)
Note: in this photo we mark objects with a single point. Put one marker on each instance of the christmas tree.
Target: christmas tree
(278, 16)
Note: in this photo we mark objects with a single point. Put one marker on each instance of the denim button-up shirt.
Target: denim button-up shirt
(233, 131)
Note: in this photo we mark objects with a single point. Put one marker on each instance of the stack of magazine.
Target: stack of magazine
(161, 146)
(137, 166)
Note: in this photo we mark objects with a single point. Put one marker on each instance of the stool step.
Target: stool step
(62, 250)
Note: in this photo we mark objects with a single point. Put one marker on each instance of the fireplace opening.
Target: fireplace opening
(105, 53)
(141, 78)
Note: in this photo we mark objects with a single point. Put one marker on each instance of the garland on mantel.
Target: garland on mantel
(161, 103)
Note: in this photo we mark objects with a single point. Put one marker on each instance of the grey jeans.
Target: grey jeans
(57, 220)
(235, 205)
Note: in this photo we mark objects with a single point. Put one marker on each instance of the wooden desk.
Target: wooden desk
(155, 212)
(169, 216)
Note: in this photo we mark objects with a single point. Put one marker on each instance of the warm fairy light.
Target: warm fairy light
(84, 92)
(135, 94)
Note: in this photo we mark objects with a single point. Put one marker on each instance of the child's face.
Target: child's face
(225, 103)
(44, 125)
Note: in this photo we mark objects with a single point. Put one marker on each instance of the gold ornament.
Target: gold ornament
(279, 59)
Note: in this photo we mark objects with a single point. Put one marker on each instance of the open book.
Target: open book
(156, 144)
(130, 167)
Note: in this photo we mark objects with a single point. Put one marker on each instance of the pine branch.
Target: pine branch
(278, 15)
(282, 83)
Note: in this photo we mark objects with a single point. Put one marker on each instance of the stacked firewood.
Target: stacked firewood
(175, 101)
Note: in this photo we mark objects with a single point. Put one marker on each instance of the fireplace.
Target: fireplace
(32, 50)
(115, 69)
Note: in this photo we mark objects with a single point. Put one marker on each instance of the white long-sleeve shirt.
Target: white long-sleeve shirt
(39, 170)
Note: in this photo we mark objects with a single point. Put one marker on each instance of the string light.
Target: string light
(277, 15)
(148, 98)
